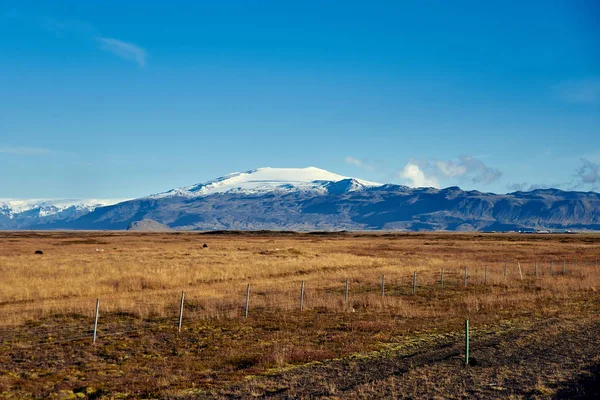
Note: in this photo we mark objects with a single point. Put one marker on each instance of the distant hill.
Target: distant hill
(148, 225)
(309, 199)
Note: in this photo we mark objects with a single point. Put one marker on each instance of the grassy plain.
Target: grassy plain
(47, 305)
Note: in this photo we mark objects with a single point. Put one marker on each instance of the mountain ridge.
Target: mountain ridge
(308, 199)
(262, 179)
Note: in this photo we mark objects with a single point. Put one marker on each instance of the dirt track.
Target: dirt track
(540, 360)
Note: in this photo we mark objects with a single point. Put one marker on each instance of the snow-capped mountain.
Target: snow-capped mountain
(311, 199)
(268, 179)
(19, 213)
(46, 207)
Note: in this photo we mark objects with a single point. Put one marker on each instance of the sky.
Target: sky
(105, 99)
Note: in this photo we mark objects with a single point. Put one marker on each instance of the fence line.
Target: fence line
(395, 283)
(35, 304)
(199, 309)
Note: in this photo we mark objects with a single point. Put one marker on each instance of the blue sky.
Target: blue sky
(123, 99)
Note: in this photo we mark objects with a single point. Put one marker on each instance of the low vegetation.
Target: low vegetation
(47, 304)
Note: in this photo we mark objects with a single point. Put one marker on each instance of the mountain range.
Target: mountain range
(309, 199)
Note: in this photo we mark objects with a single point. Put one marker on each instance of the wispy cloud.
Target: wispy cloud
(582, 91)
(586, 177)
(81, 30)
(125, 50)
(463, 169)
(588, 173)
(359, 163)
(468, 167)
(25, 151)
(414, 176)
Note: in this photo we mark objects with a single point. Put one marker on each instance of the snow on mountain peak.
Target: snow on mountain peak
(266, 179)
(46, 207)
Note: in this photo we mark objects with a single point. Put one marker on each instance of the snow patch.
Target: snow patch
(47, 207)
(268, 179)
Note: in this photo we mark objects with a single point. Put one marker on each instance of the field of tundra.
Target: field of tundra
(394, 330)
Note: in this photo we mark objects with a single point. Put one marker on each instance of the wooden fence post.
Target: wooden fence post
(520, 272)
(346, 295)
(382, 285)
(465, 276)
(415, 282)
(485, 275)
(302, 296)
(504, 270)
(247, 301)
(442, 279)
(181, 311)
(536, 270)
(96, 321)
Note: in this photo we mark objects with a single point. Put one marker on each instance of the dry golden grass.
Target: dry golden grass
(145, 273)
(139, 278)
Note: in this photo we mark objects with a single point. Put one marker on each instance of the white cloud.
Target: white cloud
(589, 173)
(450, 168)
(582, 91)
(25, 151)
(125, 50)
(357, 162)
(478, 172)
(465, 168)
(353, 161)
(415, 177)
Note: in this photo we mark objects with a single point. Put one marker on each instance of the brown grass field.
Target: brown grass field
(532, 337)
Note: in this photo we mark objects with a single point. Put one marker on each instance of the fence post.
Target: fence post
(536, 271)
(504, 270)
(466, 342)
(520, 272)
(382, 285)
(346, 295)
(181, 311)
(442, 279)
(247, 301)
(465, 276)
(415, 282)
(302, 296)
(96, 321)
(485, 275)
